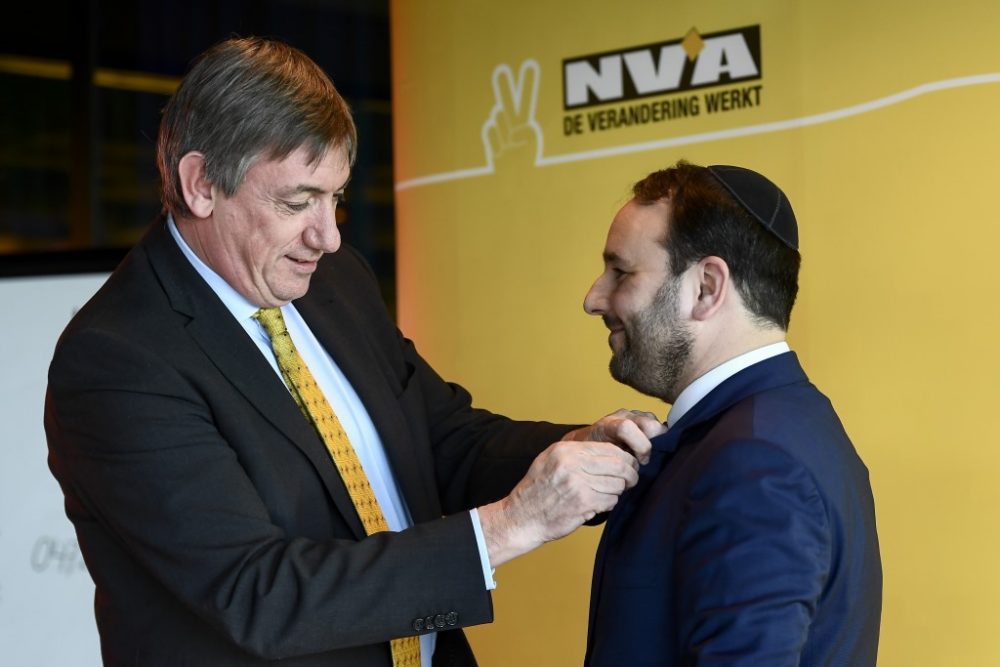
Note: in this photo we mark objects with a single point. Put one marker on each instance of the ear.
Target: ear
(712, 275)
(197, 189)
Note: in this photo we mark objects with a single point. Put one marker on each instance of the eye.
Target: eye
(296, 206)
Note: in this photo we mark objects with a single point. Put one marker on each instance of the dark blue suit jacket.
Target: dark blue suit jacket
(749, 539)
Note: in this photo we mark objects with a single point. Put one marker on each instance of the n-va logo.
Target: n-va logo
(696, 61)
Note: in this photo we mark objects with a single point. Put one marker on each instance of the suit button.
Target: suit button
(451, 618)
(418, 624)
(429, 622)
(439, 621)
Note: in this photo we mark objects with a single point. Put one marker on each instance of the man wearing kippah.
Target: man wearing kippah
(750, 537)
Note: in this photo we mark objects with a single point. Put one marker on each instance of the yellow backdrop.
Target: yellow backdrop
(880, 122)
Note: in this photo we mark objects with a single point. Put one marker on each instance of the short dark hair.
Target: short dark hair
(707, 221)
(245, 98)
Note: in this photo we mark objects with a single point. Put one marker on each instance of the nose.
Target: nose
(323, 233)
(595, 302)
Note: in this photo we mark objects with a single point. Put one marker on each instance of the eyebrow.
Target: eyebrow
(611, 257)
(302, 189)
(312, 189)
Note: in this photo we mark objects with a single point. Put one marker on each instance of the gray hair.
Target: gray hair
(247, 98)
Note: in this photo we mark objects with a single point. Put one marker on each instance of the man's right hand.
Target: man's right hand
(629, 429)
(567, 484)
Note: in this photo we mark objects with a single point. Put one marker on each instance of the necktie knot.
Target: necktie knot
(272, 321)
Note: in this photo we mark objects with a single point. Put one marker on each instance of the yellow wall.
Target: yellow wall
(887, 149)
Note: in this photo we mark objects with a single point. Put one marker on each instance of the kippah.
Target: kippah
(762, 199)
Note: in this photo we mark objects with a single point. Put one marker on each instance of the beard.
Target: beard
(656, 347)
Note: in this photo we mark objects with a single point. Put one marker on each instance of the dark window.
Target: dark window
(83, 83)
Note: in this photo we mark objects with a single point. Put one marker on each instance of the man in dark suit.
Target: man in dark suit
(750, 538)
(223, 519)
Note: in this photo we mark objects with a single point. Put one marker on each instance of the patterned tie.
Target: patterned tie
(312, 402)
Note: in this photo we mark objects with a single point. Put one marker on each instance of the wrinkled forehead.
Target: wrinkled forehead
(328, 173)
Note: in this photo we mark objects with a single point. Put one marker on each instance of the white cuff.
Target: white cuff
(484, 556)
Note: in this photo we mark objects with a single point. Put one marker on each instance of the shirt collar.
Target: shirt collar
(703, 386)
(235, 302)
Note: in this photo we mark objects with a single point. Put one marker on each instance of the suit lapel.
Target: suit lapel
(226, 344)
(664, 446)
(336, 324)
(781, 370)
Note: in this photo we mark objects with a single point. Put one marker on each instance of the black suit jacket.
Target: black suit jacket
(210, 516)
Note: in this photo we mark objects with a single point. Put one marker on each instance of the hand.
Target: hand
(567, 484)
(511, 134)
(629, 429)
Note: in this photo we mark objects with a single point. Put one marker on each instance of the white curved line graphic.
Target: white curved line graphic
(763, 128)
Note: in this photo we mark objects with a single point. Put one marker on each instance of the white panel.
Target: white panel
(46, 594)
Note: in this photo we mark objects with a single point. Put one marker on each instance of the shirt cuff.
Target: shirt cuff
(484, 556)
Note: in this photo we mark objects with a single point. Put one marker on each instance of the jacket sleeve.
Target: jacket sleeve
(753, 555)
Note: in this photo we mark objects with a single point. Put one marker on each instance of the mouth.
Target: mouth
(305, 264)
(615, 333)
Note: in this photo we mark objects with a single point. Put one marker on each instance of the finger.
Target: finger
(493, 136)
(605, 502)
(609, 460)
(527, 91)
(503, 89)
(612, 465)
(649, 423)
(610, 452)
(626, 433)
(631, 477)
(503, 129)
(602, 485)
(522, 136)
(596, 502)
(596, 430)
(616, 483)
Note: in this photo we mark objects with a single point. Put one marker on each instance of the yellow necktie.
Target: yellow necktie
(312, 402)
